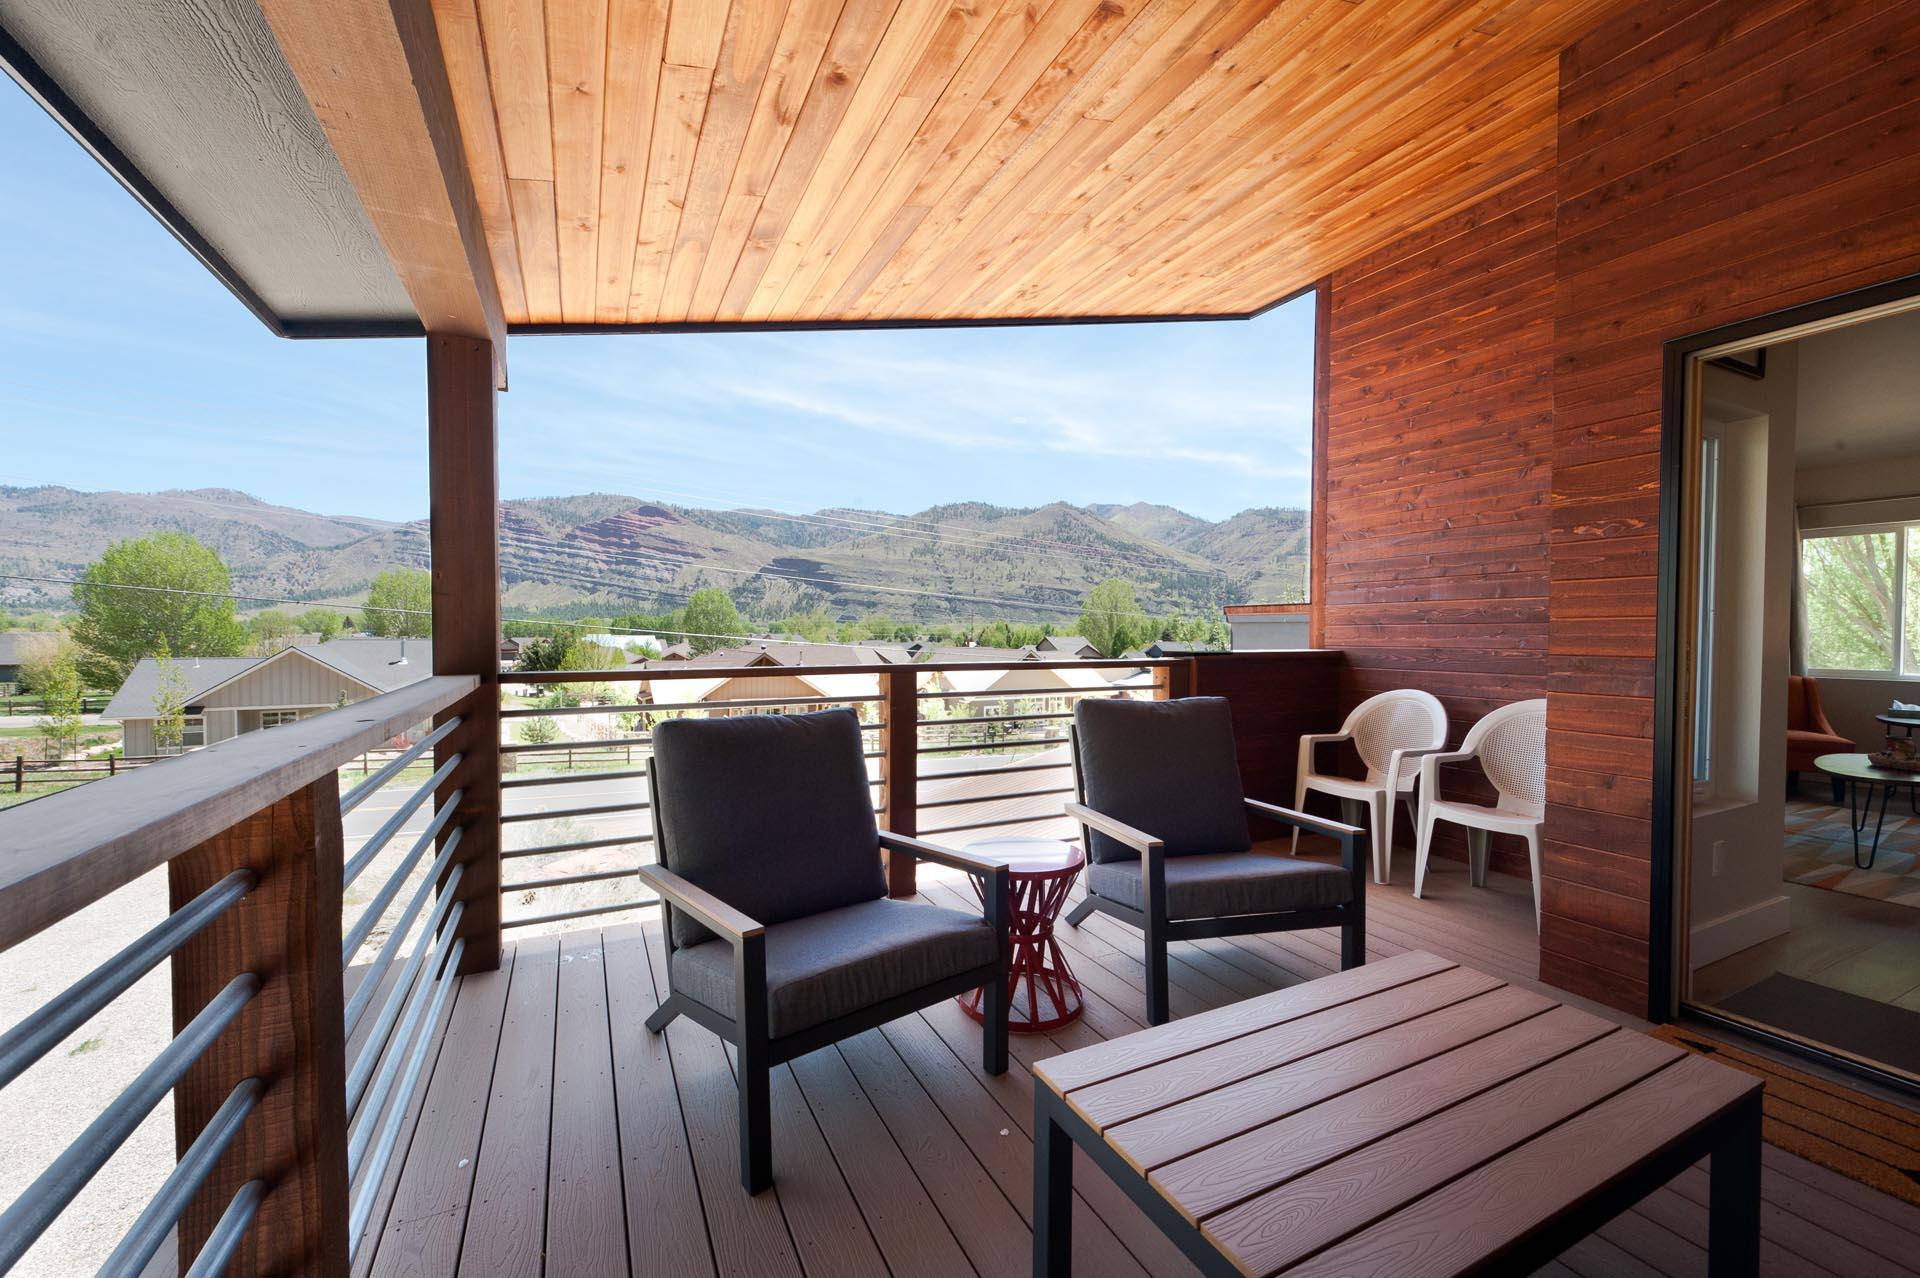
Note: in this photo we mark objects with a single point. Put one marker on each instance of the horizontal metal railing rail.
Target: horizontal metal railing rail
(623, 786)
(358, 863)
(392, 768)
(608, 827)
(50, 1193)
(66, 851)
(649, 707)
(43, 1029)
(383, 897)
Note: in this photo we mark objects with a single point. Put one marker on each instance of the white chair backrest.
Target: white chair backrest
(1511, 744)
(1405, 719)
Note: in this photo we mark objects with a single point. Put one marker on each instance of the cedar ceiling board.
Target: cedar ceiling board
(825, 160)
(199, 100)
(458, 22)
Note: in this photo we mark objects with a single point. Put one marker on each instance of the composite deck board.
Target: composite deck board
(591, 1144)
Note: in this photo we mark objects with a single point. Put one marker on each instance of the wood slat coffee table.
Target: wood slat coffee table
(1410, 1117)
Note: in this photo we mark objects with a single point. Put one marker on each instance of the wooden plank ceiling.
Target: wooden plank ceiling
(644, 162)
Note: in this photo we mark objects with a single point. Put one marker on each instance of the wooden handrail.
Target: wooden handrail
(63, 852)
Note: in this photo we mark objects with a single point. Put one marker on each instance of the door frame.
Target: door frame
(1673, 665)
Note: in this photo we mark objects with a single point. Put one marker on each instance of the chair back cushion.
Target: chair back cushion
(769, 812)
(1166, 768)
(1800, 713)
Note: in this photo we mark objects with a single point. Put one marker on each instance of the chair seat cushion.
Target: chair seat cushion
(1804, 747)
(837, 962)
(1227, 883)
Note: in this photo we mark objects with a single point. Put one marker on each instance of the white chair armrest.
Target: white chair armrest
(1309, 740)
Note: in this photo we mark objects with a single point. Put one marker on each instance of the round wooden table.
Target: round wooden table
(1042, 993)
(1899, 721)
(1857, 770)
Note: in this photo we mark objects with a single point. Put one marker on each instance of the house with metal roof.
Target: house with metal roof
(226, 696)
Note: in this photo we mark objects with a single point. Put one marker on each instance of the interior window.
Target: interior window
(1853, 588)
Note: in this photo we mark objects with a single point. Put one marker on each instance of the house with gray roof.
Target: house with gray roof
(17, 648)
(226, 696)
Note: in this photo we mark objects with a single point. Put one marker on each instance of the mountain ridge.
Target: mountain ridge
(608, 550)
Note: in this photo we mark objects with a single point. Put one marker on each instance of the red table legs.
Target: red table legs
(1042, 992)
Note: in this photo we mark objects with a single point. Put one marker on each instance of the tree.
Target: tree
(169, 705)
(324, 622)
(539, 730)
(1111, 619)
(548, 653)
(58, 683)
(271, 630)
(400, 604)
(167, 588)
(711, 621)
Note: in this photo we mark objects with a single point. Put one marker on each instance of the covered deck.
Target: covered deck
(557, 1137)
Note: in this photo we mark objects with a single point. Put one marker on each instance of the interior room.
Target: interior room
(1803, 888)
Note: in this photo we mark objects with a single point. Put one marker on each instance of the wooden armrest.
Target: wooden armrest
(1300, 820)
(1138, 840)
(959, 860)
(703, 905)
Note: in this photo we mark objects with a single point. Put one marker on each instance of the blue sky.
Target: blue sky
(125, 365)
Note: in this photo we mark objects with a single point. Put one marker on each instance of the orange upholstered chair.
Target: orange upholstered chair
(1809, 734)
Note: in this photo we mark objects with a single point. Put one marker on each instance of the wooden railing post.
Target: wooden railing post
(900, 768)
(462, 461)
(291, 1036)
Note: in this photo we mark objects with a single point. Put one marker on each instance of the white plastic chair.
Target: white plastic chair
(1391, 731)
(1511, 744)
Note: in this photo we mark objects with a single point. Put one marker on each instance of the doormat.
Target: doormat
(1858, 1136)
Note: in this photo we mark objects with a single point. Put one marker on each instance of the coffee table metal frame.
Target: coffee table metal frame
(1858, 812)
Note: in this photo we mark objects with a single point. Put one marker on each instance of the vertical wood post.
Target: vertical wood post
(900, 768)
(463, 464)
(1173, 681)
(291, 1036)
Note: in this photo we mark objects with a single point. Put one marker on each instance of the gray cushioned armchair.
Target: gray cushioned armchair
(780, 936)
(1165, 822)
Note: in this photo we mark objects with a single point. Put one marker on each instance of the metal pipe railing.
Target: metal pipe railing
(47, 1026)
(559, 813)
(565, 880)
(388, 828)
(365, 1107)
(540, 920)
(360, 1206)
(383, 958)
(579, 845)
(370, 917)
(150, 1230)
(360, 1071)
(648, 707)
(360, 793)
(1008, 743)
(228, 1231)
(56, 1187)
(994, 798)
(990, 825)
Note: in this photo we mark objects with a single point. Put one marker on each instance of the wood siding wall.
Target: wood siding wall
(1715, 162)
(1439, 407)
(1493, 393)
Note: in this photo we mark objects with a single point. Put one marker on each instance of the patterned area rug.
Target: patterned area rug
(1864, 1139)
(1819, 852)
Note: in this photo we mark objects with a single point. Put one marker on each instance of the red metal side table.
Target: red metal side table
(1042, 993)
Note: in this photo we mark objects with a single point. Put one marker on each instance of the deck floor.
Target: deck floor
(557, 1137)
